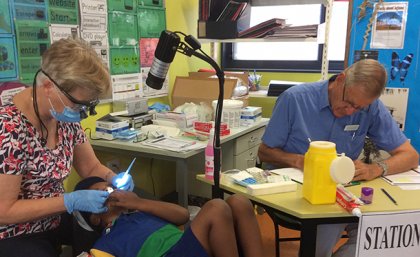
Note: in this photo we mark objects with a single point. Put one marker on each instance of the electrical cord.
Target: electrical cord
(151, 176)
(90, 134)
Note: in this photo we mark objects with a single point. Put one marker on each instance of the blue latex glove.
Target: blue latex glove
(123, 181)
(159, 107)
(86, 200)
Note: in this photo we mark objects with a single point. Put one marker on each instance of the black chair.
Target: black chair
(281, 220)
(286, 222)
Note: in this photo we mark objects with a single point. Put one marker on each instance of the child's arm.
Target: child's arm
(173, 213)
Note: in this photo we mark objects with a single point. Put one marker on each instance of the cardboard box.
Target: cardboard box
(205, 74)
(197, 90)
(242, 76)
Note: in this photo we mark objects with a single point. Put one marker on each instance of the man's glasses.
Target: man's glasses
(82, 106)
(349, 103)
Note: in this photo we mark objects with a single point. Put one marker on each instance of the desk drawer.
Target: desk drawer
(248, 141)
(246, 159)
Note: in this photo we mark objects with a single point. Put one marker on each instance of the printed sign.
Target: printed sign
(126, 86)
(59, 31)
(389, 234)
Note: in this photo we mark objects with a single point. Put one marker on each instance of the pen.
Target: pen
(296, 181)
(389, 196)
(158, 140)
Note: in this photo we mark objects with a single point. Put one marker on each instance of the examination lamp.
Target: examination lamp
(170, 43)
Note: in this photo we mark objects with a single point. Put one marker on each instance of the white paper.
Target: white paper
(408, 177)
(7, 95)
(396, 100)
(149, 92)
(59, 31)
(388, 30)
(93, 6)
(126, 86)
(93, 22)
(293, 173)
(174, 144)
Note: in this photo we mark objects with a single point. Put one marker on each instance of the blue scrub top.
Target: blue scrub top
(303, 112)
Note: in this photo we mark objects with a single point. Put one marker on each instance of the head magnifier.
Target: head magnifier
(83, 106)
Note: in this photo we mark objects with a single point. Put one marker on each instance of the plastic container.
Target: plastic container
(323, 170)
(231, 112)
(209, 156)
(367, 195)
(318, 186)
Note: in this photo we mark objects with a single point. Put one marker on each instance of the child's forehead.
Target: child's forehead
(99, 186)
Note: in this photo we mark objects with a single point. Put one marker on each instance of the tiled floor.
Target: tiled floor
(287, 249)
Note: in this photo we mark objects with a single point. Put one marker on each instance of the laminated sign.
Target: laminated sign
(389, 234)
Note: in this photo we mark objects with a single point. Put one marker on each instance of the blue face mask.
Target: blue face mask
(68, 114)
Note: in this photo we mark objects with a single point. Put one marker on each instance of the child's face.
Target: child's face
(113, 211)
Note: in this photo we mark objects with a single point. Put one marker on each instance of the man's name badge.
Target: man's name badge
(351, 127)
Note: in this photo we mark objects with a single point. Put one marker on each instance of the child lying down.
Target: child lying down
(139, 227)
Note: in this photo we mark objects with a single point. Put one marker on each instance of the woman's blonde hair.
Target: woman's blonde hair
(72, 63)
(368, 74)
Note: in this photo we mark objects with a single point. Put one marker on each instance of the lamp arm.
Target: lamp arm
(188, 51)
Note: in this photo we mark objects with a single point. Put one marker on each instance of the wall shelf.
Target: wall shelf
(256, 40)
(286, 2)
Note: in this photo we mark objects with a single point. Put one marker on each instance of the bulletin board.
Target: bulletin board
(391, 35)
(114, 28)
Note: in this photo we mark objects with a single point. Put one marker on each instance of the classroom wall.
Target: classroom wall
(181, 15)
(385, 56)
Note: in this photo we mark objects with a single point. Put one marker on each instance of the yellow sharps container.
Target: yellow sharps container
(318, 186)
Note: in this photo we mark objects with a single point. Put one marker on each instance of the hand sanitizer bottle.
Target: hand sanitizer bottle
(209, 155)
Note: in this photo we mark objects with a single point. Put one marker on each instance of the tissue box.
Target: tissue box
(108, 127)
(182, 120)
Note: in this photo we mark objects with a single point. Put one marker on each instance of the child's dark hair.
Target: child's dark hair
(83, 218)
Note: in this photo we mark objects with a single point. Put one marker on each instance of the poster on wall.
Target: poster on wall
(388, 30)
(396, 99)
(126, 86)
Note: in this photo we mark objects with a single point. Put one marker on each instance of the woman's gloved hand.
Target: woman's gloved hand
(123, 181)
(86, 200)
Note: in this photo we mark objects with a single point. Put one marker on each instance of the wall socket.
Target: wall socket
(114, 165)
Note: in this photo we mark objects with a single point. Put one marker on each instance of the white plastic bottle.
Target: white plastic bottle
(209, 156)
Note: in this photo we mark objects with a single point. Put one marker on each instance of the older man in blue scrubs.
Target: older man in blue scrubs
(344, 110)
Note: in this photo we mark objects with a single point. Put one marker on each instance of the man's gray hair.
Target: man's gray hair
(368, 74)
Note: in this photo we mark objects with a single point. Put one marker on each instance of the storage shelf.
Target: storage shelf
(286, 2)
(256, 40)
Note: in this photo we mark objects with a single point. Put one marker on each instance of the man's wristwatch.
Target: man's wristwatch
(384, 167)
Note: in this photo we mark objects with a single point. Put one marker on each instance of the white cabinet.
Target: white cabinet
(245, 149)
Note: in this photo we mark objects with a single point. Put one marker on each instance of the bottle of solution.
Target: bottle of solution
(209, 156)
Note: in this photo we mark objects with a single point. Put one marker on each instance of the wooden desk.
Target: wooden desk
(181, 158)
(292, 204)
